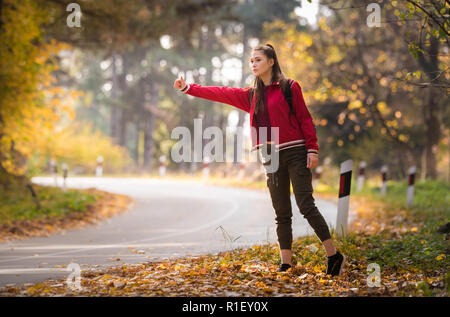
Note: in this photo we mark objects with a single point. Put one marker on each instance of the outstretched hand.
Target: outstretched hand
(179, 83)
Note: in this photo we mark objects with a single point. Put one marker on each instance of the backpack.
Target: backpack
(287, 95)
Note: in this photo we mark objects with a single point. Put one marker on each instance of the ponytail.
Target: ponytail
(277, 75)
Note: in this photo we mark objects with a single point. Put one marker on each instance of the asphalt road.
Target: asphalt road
(169, 219)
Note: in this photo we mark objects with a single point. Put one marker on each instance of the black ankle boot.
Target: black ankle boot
(335, 264)
(284, 267)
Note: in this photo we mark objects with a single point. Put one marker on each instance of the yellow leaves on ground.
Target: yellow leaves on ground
(210, 276)
(205, 276)
(318, 269)
(39, 288)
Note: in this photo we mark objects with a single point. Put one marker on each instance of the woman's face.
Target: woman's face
(259, 63)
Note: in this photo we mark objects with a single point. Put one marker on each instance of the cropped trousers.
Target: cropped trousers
(292, 168)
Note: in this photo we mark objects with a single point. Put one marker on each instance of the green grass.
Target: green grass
(430, 197)
(413, 250)
(17, 203)
(421, 249)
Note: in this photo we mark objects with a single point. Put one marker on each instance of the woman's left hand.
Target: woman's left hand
(312, 160)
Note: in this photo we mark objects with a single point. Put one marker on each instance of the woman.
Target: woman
(296, 145)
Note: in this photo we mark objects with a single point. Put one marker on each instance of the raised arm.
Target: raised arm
(237, 97)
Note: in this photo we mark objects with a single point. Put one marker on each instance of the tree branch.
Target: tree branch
(430, 15)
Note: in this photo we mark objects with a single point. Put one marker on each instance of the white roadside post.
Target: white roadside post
(317, 173)
(162, 165)
(65, 174)
(54, 170)
(205, 167)
(99, 169)
(410, 190)
(344, 198)
(192, 167)
(361, 176)
(384, 170)
(241, 171)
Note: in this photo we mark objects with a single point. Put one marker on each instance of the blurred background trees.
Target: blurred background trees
(377, 94)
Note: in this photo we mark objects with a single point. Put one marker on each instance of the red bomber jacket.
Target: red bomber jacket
(299, 131)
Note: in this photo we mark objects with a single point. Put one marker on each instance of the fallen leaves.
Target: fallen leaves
(209, 276)
(253, 272)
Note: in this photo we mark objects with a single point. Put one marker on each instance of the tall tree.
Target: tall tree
(356, 75)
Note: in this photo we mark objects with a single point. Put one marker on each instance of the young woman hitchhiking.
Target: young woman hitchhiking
(297, 146)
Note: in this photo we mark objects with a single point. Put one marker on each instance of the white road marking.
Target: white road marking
(31, 270)
(100, 246)
(213, 223)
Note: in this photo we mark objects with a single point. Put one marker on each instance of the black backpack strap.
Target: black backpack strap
(288, 96)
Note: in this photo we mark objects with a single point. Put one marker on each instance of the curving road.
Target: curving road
(169, 219)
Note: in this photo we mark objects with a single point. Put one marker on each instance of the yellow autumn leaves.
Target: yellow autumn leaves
(30, 106)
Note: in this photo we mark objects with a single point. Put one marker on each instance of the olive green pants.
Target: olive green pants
(292, 167)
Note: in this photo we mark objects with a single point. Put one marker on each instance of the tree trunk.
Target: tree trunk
(183, 166)
(136, 134)
(123, 111)
(242, 114)
(433, 132)
(148, 141)
(123, 128)
(1, 7)
(114, 124)
(423, 165)
(6, 179)
(431, 106)
(149, 126)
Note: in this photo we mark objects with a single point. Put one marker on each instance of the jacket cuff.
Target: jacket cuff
(185, 89)
(314, 151)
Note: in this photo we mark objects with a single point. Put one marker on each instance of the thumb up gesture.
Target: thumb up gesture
(179, 83)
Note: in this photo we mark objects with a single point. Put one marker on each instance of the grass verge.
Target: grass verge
(59, 210)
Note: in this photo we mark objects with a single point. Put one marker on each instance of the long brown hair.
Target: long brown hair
(277, 75)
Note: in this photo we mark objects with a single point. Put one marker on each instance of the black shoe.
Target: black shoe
(335, 264)
(284, 267)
